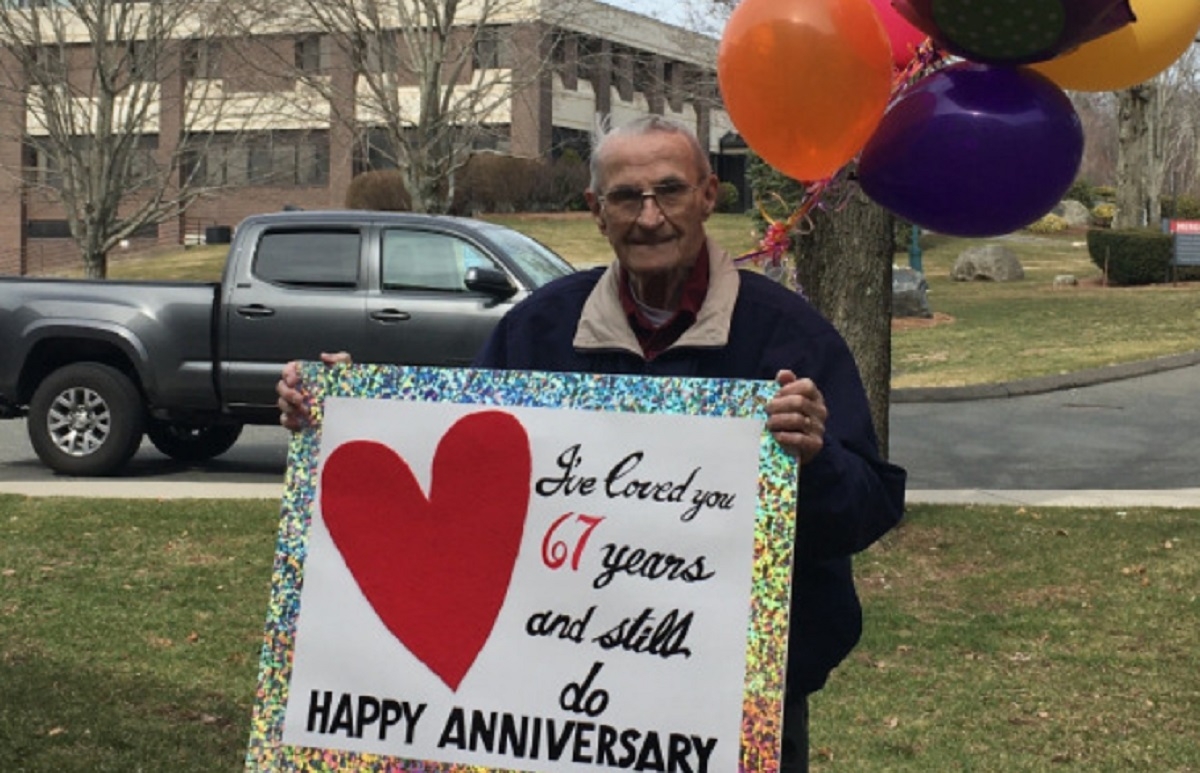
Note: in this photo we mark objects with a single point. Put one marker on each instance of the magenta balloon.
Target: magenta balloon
(974, 150)
(1015, 31)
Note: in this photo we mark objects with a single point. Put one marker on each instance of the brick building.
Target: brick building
(604, 61)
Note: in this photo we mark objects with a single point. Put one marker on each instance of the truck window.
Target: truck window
(308, 258)
(421, 260)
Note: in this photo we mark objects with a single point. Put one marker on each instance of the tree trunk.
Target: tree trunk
(95, 265)
(845, 268)
(1139, 157)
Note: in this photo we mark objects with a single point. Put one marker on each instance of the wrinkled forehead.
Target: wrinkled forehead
(641, 161)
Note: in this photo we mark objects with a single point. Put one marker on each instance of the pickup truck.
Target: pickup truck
(96, 365)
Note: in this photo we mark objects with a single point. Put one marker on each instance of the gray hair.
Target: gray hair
(640, 127)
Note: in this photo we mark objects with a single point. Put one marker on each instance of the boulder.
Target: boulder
(989, 262)
(1075, 213)
(910, 293)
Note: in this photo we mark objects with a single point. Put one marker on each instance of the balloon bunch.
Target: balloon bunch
(980, 147)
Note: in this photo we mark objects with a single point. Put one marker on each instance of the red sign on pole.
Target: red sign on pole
(1184, 226)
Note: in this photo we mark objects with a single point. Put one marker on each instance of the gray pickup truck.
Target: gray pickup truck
(96, 365)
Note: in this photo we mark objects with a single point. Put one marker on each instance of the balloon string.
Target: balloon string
(777, 238)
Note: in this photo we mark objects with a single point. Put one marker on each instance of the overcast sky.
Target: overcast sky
(671, 11)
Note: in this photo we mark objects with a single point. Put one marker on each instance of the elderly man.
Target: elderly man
(674, 304)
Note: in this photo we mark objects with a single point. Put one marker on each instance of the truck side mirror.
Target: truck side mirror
(490, 281)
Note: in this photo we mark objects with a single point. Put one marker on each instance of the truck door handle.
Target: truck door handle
(255, 310)
(390, 315)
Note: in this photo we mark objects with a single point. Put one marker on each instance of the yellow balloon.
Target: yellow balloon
(1133, 54)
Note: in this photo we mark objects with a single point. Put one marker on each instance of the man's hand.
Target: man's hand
(293, 397)
(796, 416)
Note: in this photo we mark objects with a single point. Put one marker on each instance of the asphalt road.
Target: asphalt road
(1141, 433)
(259, 456)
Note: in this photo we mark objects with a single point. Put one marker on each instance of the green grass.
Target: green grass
(130, 632)
(1003, 639)
(997, 331)
(997, 639)
(983, 332)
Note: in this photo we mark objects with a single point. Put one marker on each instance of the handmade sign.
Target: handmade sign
(513, 571)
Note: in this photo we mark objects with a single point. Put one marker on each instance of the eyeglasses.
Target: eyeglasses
(671, 198)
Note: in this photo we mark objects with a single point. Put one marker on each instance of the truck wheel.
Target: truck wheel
(192, 442)
(86, 419)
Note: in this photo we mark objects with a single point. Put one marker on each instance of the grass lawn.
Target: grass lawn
(997, 639)
(982, 332)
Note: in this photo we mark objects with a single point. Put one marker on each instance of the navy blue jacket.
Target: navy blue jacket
(849, 497)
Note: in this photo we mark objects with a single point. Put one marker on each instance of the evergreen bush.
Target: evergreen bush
(1181, 207)
(728, 198)
(1082, 191)
(1135, 256)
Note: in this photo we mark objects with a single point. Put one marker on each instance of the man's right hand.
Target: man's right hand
(294, 398)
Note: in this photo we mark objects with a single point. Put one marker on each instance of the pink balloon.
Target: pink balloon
(904, 37)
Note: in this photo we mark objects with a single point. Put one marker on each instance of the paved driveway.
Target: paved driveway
(1139, 433)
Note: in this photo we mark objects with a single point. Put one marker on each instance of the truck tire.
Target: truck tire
(192, 442)
(86, 419)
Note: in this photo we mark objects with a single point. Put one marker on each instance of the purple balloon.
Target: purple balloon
(1015, 31)
(974, 150)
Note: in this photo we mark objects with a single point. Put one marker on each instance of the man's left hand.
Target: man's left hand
(796, 416)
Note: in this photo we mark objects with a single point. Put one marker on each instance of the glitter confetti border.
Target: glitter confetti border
(773, 536)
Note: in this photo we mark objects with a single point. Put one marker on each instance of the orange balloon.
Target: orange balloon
(805, 82)
(1133, 54)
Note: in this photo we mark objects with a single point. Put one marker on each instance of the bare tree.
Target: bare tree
(1139, 155)
(96, 91)
(1180, 131)
(420, 83)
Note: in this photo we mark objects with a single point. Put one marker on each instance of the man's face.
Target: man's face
(651, 236)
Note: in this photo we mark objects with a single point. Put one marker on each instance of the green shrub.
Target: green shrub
(1104, 193)
(1082, 191)
(1103, 214)
(382, 189)
(728, 198)
(902, 235)
(1048, 224)
(1182, 207)
(1135, 256)
(569, 178)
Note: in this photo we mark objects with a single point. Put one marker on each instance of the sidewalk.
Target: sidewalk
(141, 489)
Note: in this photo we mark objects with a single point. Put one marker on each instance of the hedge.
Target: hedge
(1135, 256)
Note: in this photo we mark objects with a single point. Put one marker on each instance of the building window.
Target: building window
(280, 159)
(48, 229)
(591, 59)
(381, 54)
(487, 52)
(644, 79)
(44, 162)
(202, 59)
(309, 55)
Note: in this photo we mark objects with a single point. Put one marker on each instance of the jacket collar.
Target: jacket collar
(604, 326)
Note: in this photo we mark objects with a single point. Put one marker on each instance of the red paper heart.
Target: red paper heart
(436, 570)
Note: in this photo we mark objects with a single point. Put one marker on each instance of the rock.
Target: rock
(992, 262)
(1075, 213)
(910, 293)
